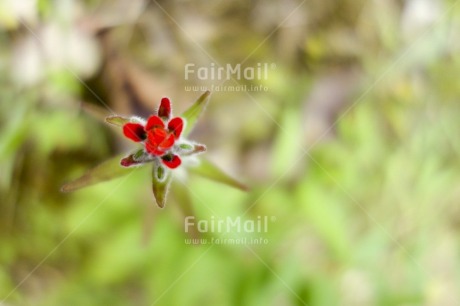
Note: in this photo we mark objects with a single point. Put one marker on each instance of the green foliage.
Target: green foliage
(108, 170)
(117, 120)
(208, 170)
(192, 114)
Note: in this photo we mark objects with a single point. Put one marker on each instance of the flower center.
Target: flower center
(161, 138)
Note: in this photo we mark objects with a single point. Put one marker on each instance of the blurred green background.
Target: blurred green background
(351, 151)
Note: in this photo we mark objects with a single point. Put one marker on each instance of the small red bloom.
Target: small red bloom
(171, 161)
(164, 146)
(159, 138)
(164, 111)
(176, 125)
(159, 134)
(154, 122)
(158, 141)
(134, 131)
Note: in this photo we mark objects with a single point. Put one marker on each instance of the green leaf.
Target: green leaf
(181, 194)
(160, 187)
(192, 114)
(210, 171)
(117, 120)
(108, 170)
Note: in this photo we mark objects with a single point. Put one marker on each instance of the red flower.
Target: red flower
(159, 134)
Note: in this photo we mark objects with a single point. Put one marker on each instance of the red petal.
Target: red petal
(154, 122)
(171, 161)
(153, 149)
(165, 108)
(157, 136)
(168, 142)
(176, 125)
(134, 131)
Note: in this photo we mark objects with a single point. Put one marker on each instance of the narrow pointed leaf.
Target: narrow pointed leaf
(182, 196)
(210, 171)
(117, 120)
(192, 114)
(98, 112)
(108, 170)
(160, 188)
